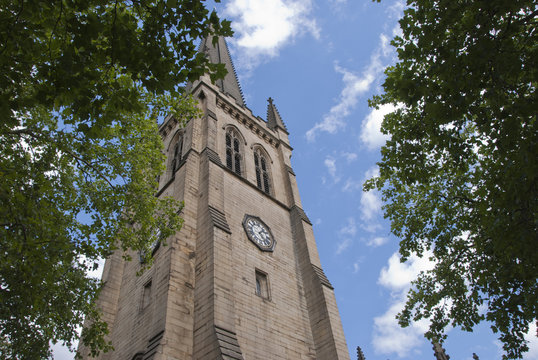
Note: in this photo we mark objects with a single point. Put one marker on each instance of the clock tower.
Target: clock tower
(242, 279)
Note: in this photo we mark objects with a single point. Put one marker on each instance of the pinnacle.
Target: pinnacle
(273, 116)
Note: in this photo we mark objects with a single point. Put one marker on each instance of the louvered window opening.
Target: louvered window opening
(262, 174)
(178, 152)
(233, 154)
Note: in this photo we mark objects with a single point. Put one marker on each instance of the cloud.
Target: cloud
(370, 205)
(97, 272)
(371, 134)
(349, 156)
(354, 86)
(330, 163)
(62, 352)
(343, 245)
(352, 185)
(398, 276)
(263, 27)
(377, 241)
(371, 172)
(346, 233)
(388, 336)
(350, 229)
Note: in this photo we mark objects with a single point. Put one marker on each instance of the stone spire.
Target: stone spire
(273, 117)
(218, 53)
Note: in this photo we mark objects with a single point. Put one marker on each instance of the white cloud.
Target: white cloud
(263, 27)
(343, 245)
(346, 233)
(370, 205)
(388, 336)
(350, 229)
(349, 156)
(398, 276)
(354, 86)
(330, 163)
(61, 352)
(97, 272)
(395, 11)
(372, 172)
(371, 226)
(371, 134)
(352, 185)
(377, 241)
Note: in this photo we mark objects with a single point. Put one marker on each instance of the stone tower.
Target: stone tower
(242, 279)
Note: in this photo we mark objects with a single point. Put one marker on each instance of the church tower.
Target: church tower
(242, 279)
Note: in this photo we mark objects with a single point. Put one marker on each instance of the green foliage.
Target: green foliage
(459, 174)
(81, 86)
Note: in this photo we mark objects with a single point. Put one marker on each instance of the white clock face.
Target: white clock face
(258, 233)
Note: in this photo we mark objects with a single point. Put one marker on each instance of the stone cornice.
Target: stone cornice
(252, 123)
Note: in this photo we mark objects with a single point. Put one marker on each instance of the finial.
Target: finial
(270, 100)
(475, 357)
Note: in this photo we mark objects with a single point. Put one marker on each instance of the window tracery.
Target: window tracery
(233, 151)
(262, 171)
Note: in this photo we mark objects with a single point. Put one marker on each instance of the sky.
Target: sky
(321, 61)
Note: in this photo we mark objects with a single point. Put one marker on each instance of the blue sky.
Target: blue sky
(321, 61)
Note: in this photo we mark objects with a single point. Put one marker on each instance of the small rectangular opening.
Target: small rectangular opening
(146, 296)
(262, 285)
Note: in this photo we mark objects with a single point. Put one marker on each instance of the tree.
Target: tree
(459, 173)
(81, 86)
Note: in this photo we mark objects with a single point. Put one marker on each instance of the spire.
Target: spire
(273, 117)
(218, 53)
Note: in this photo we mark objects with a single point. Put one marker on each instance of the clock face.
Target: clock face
(258, 233)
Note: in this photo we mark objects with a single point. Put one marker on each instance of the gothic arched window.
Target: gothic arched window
(262, 171)
(177, 154)
(233, 151)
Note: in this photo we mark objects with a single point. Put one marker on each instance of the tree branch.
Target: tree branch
(79, 159)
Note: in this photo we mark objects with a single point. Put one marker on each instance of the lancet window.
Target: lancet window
(177, 154)
(233, 151)
(262, 171)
